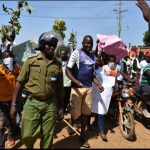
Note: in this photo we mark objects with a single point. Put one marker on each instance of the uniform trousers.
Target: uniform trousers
(38, 120)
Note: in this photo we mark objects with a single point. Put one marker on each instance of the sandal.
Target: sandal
(10, 141)
(84, 141)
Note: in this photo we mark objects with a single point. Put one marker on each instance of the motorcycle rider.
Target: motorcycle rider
(145, 81)
(124, 74)
(145, 86)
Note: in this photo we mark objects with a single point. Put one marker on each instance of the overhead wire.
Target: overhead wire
(90, 6)
(64, 17)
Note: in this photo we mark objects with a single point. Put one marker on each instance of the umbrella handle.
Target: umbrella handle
(71, 126)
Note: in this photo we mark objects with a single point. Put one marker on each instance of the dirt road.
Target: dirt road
(115, 139)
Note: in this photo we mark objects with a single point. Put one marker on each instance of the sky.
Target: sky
(82, 17)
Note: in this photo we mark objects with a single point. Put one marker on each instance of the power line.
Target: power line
(34, 6)
(70, 7)
(54, 17)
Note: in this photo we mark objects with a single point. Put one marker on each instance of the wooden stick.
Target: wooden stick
(71, 126)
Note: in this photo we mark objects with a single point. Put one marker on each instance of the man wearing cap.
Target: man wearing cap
(41, 76)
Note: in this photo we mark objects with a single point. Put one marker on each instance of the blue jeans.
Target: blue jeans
(101, 122)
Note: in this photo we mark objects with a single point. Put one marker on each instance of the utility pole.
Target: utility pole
(119, 11)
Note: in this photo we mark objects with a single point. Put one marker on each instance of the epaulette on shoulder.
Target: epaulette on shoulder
(32, 55)
(32, 58)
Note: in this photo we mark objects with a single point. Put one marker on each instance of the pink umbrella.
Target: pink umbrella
(112, 45)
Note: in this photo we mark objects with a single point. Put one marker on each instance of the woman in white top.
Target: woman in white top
(106, 76)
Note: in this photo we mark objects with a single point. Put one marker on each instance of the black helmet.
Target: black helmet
(46, 38)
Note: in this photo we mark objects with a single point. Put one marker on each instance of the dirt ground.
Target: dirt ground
(115, 140)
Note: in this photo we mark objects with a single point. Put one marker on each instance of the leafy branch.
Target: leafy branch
(8, 32)
(60, 26)
(72, 41)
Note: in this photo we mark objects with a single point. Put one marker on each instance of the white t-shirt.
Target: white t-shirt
(74, 58)
(143, 63)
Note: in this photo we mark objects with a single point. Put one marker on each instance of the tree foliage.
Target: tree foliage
(146, 38)
(8, 32)
(72, 41)
(59, 26)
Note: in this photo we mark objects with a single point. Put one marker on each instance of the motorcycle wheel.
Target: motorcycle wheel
(127, 127)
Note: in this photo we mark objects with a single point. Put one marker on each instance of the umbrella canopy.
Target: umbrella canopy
(112, 45)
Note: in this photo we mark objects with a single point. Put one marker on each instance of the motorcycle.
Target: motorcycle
(138, 103)
(126, 104)
(123, 109)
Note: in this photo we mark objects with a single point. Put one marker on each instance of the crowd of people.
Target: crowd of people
(50, 84)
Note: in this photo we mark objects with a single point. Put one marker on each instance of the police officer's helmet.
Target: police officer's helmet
(47, 38)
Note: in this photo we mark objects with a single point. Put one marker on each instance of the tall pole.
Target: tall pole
(119, 11)
(119, 19)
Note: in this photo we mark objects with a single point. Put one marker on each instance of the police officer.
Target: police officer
(41, 76)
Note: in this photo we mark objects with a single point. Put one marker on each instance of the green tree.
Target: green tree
(8, 32)
(72, 41)
(59, 26)
(146, 38)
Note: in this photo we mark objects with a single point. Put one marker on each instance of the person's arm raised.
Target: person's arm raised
(145, 10)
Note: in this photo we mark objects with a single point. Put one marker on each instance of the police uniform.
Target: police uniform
(44, 83)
